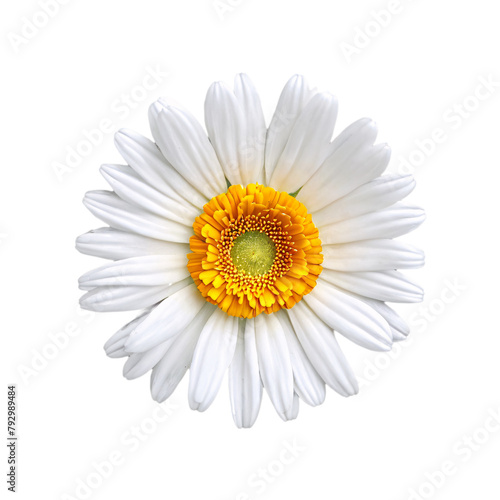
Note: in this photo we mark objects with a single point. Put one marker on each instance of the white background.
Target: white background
(428, 404)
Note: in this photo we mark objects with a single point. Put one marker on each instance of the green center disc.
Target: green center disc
(253, 252)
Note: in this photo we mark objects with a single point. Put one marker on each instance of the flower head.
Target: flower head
(249, 249)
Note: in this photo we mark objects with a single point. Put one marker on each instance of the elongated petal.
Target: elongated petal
(115, 346)
(236, 127)
(308, 384)
(132, 188)
(186, 147)
(353, 161)
(293, 411)
(249, 101)
(323, 350)
(170, 370)
(110, 208)
(274, 361)
(350, 317)
(295, 95)
(148, 270)
(140, 363)
(308, 144)
(226, 128)
(146, 159)
(391, 286)
(110, 243)
(212, 356)
(342, 172)
(372, 255)
(166, 320)
(389, 223)
(245, 386)
(399, 328)
(374, 195)
(127, 298)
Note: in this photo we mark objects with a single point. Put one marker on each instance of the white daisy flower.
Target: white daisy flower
(250, 249)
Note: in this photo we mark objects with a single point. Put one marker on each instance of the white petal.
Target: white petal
(148, 270)
(398, 336)
(172, 367)
(374, 195)
(132, 188)
(236, 127)
(389, 223)
(115, 346)
(344, 170)
(245, 386)
(167, 319)
(255, 125)
(186, 147)
(308, 384)
(293, 411)
(349, 316)
(127, 298)
(226, 129)
(308, 144)
(140, 363)
(372, 255)
(295, 95)
(274, 361)
(212, 355)
(110, 208)
(399, 328)
(146, 159)
(391, 286)
(322, 348)
(114, 244)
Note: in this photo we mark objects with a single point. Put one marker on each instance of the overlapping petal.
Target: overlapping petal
(349, 316)
(245, 385)
(212, 356)
(174, 364)
(186, 147)
(292, 101)
(131, 187)
(369, 197)
(321, 346)
(308, 144)
(166, 320)
(119, 214)
(237, 130)
(145, 158)
(307, 383)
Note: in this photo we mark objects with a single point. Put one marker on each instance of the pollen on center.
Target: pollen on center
(253, 252)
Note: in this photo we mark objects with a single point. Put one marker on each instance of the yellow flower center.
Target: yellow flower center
(254, 250)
